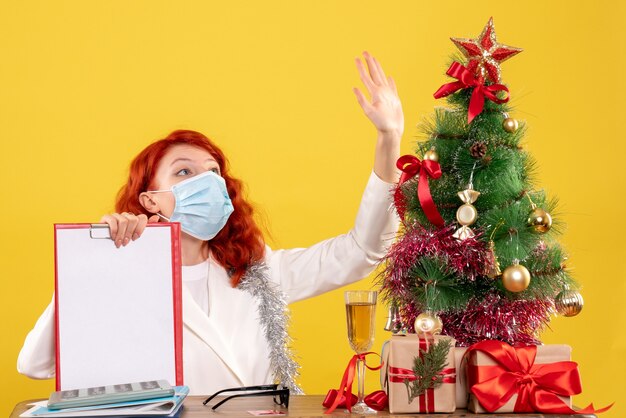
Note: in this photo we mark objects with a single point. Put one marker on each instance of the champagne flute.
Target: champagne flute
(360, 313)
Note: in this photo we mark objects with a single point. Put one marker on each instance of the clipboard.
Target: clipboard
(118, 311)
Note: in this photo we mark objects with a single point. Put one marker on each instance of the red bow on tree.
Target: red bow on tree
(410, 167)
(538, 386)
(467, 80)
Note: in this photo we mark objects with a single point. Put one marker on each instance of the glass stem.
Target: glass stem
(360, 373)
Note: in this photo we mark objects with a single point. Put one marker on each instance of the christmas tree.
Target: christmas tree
(477, 256)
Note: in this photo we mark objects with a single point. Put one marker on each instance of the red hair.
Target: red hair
(240, 243)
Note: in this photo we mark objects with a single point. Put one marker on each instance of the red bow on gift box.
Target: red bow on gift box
(466, 80)
(538, 386)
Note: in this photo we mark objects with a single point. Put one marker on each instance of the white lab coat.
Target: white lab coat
(227, 347)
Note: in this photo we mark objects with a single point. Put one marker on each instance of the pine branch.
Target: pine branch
(438, 287)
(427, 368)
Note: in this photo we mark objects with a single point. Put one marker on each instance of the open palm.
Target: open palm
(384, 109)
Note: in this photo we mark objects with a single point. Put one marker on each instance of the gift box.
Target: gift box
(399, 379)
(502, 378)
(462, 393)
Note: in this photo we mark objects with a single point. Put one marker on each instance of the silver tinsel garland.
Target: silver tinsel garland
(274, 318)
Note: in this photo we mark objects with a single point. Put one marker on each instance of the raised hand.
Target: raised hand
(384, 109)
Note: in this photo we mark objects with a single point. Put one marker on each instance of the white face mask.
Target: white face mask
(202, 205)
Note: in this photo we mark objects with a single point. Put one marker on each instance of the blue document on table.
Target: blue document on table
(170, 407)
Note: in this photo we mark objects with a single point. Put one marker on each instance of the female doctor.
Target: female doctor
(230, 277)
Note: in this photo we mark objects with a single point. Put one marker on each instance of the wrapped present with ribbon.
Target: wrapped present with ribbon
(420, 375)
(460, 362)
(502, 378)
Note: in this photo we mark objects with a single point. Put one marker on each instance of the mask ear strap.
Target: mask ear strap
(167, 219)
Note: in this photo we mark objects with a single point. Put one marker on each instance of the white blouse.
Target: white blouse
(196, 279)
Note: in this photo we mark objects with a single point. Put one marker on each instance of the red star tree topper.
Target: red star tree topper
(485, 53)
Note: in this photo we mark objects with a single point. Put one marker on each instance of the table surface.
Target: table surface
(299, 406)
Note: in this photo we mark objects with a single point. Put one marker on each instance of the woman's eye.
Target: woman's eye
(183, 172)
(215, 170)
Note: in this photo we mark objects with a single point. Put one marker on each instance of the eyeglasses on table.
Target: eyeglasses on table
(281, 396)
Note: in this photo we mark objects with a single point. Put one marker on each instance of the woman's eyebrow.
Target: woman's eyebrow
(190, 160)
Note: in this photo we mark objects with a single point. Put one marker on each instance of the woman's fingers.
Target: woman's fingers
(392, 84)
(122, 225)
(381, 72)
(112, 222)
(365, 77)
(126, 227)
(131, 227)
(360, 97)
(142, 221)
(373, 69)
(374, 78)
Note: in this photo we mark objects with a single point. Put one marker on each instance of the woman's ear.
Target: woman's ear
(150, 205)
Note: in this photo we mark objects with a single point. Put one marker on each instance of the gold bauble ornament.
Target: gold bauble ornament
(515, 277)
(569, 303)
(539, 219)
(431, 154)
(510, 125)
(428, 323)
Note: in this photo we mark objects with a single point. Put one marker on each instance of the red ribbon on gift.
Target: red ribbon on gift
(467, 80)
(538, 386)
(412, 166)
(344, 396)
(427, 400)
(399, 375)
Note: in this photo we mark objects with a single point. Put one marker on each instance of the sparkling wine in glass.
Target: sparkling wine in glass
(360, 314)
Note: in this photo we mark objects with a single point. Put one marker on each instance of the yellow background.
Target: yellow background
(85, 85)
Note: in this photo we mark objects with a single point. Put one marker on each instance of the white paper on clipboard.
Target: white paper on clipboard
(118, 310)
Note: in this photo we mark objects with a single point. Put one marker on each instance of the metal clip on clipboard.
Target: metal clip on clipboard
(99, 231)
